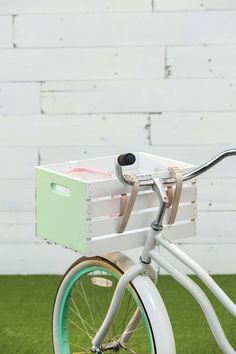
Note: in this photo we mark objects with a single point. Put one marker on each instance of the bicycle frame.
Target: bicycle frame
(151, 253)
(185, 281)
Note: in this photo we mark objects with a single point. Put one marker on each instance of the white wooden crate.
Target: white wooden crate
(81, 210)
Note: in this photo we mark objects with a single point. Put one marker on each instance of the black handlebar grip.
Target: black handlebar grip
(126, 159)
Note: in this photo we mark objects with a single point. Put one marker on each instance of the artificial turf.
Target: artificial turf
(26, 306)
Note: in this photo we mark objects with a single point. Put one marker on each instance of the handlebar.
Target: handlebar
(158, 185)
(203, 168)
(129, 159)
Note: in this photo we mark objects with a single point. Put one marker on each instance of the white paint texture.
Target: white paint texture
(147, 29)
(19, 98)
(192, 5)
(6, 32)
(139, 96)
(73, 6)
(82, 64)
(213, 61)
(87, 78)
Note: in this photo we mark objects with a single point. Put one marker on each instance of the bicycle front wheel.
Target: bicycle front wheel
(81, 303)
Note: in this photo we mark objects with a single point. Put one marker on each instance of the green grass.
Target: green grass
(191, 330)
(26, 306)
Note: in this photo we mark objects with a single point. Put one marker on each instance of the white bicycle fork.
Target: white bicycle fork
(163, 332)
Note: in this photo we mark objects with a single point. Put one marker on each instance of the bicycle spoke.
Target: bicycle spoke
(121, 323)
(115, 334)
(75, 324)
(127, 307)
(87, 303)
(79, 346)
(135, 330)
(79, 315)
(129, 350)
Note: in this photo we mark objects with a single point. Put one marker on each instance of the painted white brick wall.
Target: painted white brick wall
(75, 74)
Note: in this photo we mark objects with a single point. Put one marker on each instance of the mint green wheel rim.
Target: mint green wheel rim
(64, 305)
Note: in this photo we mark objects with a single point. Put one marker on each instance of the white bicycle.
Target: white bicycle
(109, 303)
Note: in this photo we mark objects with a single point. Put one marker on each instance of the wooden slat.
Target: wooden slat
(137, 221)
(201, 62)
(17, 195)
(116, 243)
(215, 259)
(131, 240)
(19, 98)
(140, 96)
(17, 234)
(6, 40)
(14, 217)
(113, 187)
(72, 6)
(27, 259)
(192, 5)
(216, 226)
(17, 227)
(82, 64)
(140, 29)
(144, 201)
(71, 130)
(205, 124)
(208, 240)
(217, 194)
(18, 162)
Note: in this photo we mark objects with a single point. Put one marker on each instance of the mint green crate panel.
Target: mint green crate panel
(61, 209)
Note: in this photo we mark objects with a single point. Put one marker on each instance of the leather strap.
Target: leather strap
(178, 189)
(124, 201)
(129, 206)
(170, 196)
